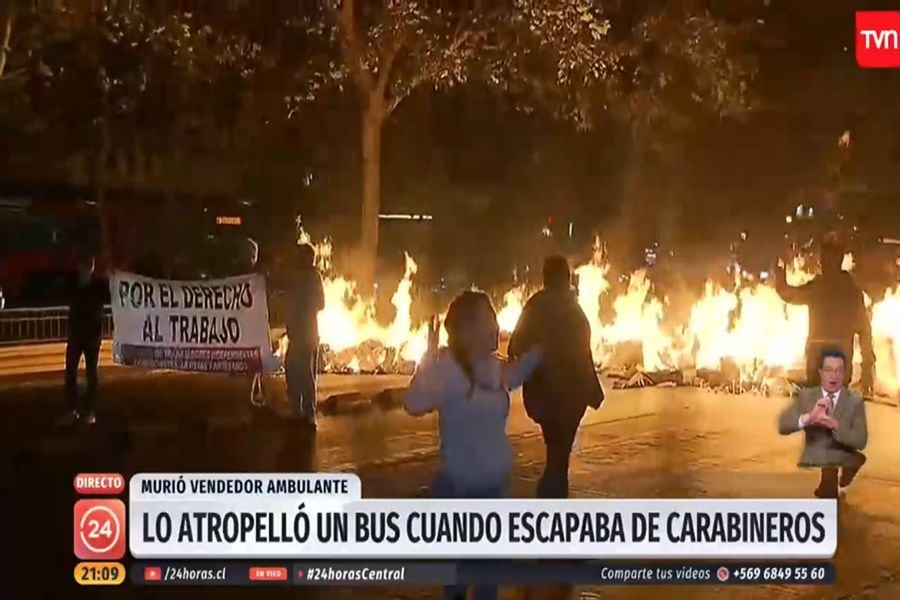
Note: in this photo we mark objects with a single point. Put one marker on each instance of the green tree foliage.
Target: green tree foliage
(385, 51)
(139, 89)
(118, 95)
(126, 87)
(647, 63)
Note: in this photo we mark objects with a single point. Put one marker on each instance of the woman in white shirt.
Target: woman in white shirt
(468, 385)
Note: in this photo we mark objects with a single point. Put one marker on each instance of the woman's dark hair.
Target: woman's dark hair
(463, 310)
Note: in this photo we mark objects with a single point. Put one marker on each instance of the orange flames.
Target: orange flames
(748, 325)
(886, 337)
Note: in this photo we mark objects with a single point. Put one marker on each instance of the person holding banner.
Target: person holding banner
(86, 299)
(468, 386)
(305, 298)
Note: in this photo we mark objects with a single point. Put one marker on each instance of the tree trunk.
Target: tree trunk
(373, 119)
(106, 250)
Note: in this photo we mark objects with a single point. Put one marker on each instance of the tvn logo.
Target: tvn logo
(878, 39)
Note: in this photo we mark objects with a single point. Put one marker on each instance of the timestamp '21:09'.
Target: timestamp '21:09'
(99, 573)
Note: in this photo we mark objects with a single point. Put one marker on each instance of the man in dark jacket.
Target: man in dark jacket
(566, 383)
(305, 298)
(837, 311)
(87, 297)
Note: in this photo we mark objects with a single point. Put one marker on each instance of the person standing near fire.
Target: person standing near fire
(837, 312)
(565, 384)
(304, 299)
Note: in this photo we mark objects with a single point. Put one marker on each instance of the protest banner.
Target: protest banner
(215, 326)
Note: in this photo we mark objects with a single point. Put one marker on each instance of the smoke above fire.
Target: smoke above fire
(746, 324)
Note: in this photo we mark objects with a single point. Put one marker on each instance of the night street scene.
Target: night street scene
(345, 236)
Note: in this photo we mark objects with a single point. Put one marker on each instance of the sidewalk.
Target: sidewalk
(38, 359)
(42, 365)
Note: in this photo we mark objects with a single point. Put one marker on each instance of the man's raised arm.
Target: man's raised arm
(791, 294)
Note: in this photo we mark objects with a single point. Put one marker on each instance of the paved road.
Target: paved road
(646, 443)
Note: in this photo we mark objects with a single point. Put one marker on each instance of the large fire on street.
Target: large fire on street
(742, 335)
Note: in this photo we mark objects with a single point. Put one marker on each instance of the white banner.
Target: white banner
(219, 325)
(322, 516)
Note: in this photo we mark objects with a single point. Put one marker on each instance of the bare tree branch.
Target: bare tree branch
(430, 70)
(351, 46)
(7, 35)
(386, 63)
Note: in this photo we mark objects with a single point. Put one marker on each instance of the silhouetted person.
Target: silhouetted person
(837, 311)
(565, 384)
(304, 299)
(87, 296)
(834, 421)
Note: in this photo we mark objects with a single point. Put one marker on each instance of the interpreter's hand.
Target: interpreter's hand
(828, 423)
(818, 411)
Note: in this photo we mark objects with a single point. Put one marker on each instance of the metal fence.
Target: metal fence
(40, 325)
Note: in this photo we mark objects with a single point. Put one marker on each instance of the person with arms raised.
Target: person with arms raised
(468, 385)
(837, 312)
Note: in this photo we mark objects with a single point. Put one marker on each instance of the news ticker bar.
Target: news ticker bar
(487, 572)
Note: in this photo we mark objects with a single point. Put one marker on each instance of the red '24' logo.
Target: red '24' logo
(878, 39)
(99, 527)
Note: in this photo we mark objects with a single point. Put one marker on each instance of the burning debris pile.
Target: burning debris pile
(735, 338)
